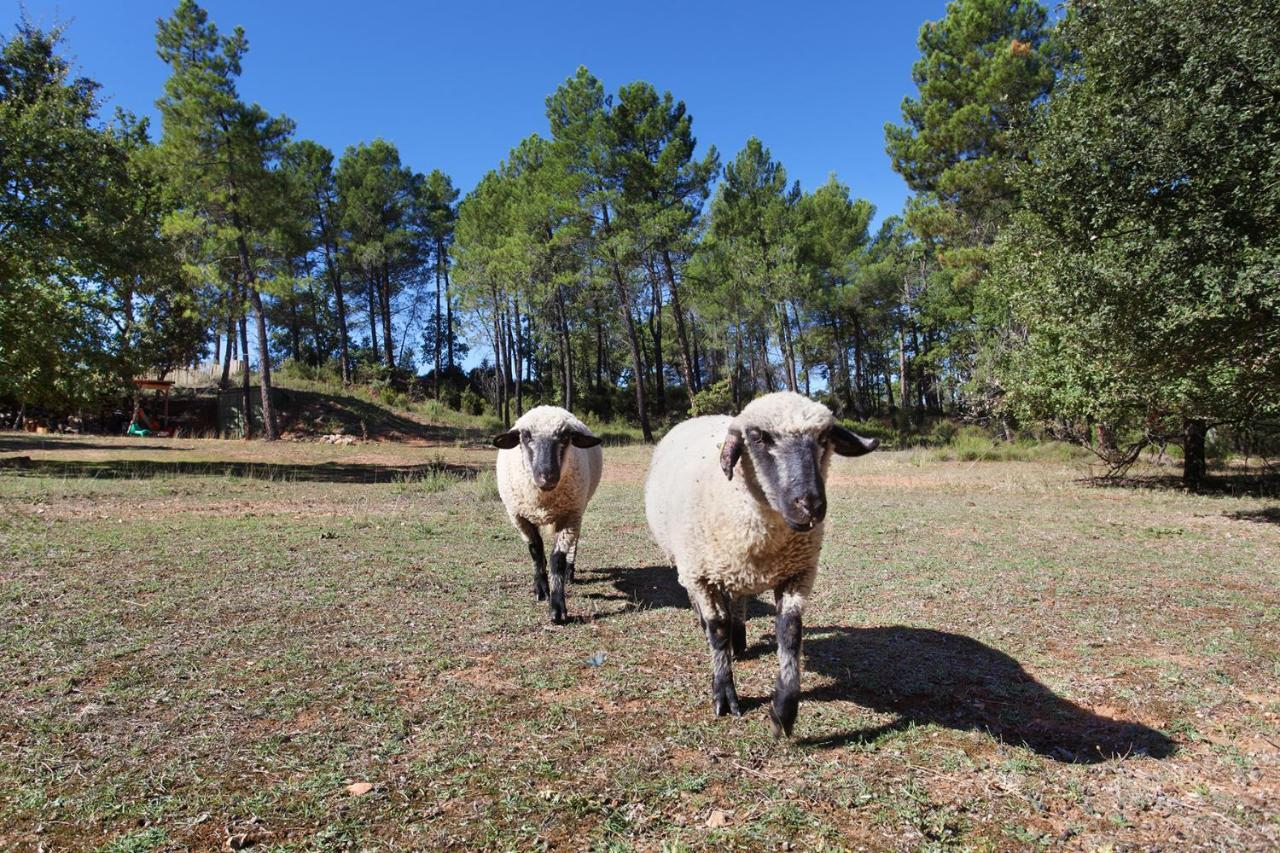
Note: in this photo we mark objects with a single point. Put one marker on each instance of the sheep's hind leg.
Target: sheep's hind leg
(786, 693)
(715, 608)
(739, 637)
(533, 538)
(571, 552)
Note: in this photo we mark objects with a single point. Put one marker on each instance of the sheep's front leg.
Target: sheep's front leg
(533, 538)
(566, 543)
(786, 694)
(715, 609)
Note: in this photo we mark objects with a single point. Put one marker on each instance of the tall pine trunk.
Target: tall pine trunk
(373, 317)
(655, 331)
(269, 430)
(637, 367)
(859, 383)
(515, 335)
(633, 339)
(231, 340)
(691, 378)
(500, 359)
(435, 345)
(904, 396)
(448, 316)
(335, 281)
(246, 394)
(566, 351)
(264, 369)
(784, 344)
(295, 330)
(387, 343)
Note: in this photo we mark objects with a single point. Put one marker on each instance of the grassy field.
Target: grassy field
(226, 644)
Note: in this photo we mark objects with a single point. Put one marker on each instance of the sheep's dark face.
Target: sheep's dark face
(544, 452)
(789, 467)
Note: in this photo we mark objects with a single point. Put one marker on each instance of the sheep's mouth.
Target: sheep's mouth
(801, 525)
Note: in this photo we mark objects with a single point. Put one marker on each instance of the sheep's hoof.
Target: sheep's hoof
(540, 589)
(724, 700)
(783, 719)
(559, 613)
(739, 639)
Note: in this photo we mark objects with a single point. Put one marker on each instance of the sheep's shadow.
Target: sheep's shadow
(933, 677)
(647, 588)
(919, 675)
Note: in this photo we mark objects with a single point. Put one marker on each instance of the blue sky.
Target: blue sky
(456, 85)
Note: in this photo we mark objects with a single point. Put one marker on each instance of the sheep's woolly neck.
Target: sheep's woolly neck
(579, 475)
(785, 411)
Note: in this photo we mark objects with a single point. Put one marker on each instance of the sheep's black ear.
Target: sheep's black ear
(846, 442)
(581, 439)
(507, 440)
(730, 451)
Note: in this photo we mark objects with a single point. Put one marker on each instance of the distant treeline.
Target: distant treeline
(1093, 246)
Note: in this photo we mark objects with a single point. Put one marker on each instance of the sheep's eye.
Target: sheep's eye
(764, 438)
(524, 435)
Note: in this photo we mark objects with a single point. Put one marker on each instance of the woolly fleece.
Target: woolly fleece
(579, 475)
(720, 532)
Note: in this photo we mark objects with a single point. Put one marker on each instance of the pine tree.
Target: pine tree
(220, 151)
(980, 69)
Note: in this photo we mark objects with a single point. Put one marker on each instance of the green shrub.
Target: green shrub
(471, 403)
(943, 432)
(716, 399)
(875, 429)
(328, 373)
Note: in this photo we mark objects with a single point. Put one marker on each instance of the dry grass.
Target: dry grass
(204, 641)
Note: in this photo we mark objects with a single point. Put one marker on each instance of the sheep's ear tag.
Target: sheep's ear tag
(506, 440)
(730, 451)
(846, 442)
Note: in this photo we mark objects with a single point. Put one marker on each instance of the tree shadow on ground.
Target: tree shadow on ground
(324, 472)
(647, 588)
(1266, 515)
(934, 677)
(17, 441)
(1262, 484)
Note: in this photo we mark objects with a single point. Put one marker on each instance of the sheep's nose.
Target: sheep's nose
(814, 506)
(546, 482)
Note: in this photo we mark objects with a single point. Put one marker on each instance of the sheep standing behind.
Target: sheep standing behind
(731, 538)
(548, 467)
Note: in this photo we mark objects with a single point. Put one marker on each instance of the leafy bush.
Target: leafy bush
(470, 402)
(943, 432)
(327, 373)
(874, 429)
(715, 399)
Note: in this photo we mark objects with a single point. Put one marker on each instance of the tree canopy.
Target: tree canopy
(1089, 250)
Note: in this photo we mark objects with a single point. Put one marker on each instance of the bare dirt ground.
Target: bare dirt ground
(210, 644)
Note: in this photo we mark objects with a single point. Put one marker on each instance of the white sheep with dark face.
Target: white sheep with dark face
(738, 505)
(548, 468)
